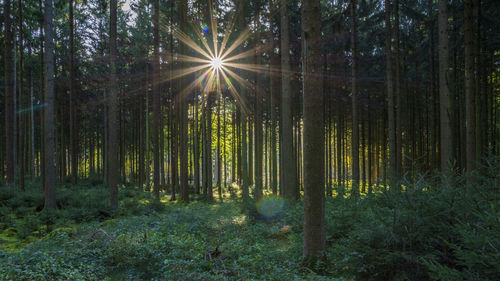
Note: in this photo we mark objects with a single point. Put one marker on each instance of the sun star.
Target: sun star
(216, 63)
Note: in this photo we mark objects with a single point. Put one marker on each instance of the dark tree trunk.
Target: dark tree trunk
(113, 169)
(314, 205)
(9, 95)
(49, 132)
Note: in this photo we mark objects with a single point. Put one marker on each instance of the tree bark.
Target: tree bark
(390, 94)
(470, 138)
(113, 168)
(9, 95)
(72, 96)
(156, 100)
(288, 183)
(314, 205)
(49, 133)
(444, 92)
(355, 125)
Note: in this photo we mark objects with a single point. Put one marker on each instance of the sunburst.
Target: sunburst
(212, 62)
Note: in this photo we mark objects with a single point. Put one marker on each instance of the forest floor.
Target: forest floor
(428, 232)
(84, 240)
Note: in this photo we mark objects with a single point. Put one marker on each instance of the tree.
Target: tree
(314, 205)
(156, 100)
(183, 126)
(470, 138)
(444, 92)
(9, 95)
(112, 157)
(288, 183)
(72, 96)
(355, 125)
(390, 95)
(49, 132)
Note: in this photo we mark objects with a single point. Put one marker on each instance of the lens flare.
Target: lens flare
(270, 207)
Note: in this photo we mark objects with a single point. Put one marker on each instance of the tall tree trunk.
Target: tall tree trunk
(314, 188)
(156, 100)
(49, 133)
(258, 119)
(244, 157)
(444, 92)
(72, 97)
(9, 95)
(397, 93)
(390, 94)
(22, 119)
(196, 148)
(470, 146)
(113, 168)
(355, 125)
(183, 128)
(288, 182)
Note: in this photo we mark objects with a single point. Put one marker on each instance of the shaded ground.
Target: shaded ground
(169, 241)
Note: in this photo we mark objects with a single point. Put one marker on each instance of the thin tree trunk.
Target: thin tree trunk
(444, 92)
(9, 95)
(469, 87)
(156, 100)
(355, 125)
(49, 133)
(72, 123)
(22, 119)
(390, 95)
(113, 169)
(183, 128)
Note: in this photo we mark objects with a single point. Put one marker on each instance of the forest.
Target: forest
(250, 140)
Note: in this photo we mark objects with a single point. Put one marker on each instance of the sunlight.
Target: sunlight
(216, 57)
(216, 63)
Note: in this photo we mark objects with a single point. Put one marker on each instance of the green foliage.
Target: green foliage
(435, 229)
(431, 231)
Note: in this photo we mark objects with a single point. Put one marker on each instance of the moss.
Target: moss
(67, 230)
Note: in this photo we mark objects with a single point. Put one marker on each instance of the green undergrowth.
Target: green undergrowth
(174, 241)
(435, 229)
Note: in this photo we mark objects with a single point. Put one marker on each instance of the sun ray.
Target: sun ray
(213, 21)
(229, 29)
(210, 82)
(193, 84)
(234, 93)
(204, 41)
(185, 71)
(241, 55)
(189, 42)
(187, 58)
(244, 35)
(253, 67)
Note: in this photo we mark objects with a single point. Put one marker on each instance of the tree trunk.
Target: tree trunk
(72, 103)
(444, 92)
(22, 119)
(314, 205)
(355, 125)
(9, 96)
(288, 182)
(113, 168)
(49, 133)
(469, 88)
(390, 94)
(156, 100)
(183, 128)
